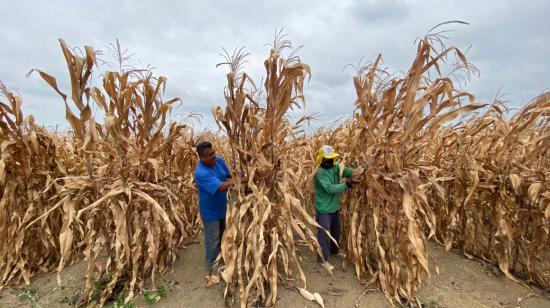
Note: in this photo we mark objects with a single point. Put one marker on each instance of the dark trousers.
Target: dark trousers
(213, 232)
(330, 222)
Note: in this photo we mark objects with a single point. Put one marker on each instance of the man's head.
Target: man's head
(207, 155)
(326, 157)
(327, 163)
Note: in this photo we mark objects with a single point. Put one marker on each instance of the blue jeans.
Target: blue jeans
(330, 222)
(213, 232)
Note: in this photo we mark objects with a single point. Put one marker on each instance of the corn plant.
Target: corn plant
(259, 246)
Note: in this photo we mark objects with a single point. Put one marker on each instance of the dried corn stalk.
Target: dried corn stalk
(128, 203)
(259, 245)
(386, 216)
(497, 205)
(28, 162)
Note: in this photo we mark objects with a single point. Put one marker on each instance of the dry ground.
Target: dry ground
(461, 283)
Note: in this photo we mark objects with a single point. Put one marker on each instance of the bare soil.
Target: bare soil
(460, 283)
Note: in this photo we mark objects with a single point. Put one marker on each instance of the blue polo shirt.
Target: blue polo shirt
(212, 202)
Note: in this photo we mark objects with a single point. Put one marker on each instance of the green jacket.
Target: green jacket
(328, 188)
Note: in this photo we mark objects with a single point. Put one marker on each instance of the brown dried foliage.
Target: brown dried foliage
(118, 194)
(497, 205)
(479, 185)
(266, 216)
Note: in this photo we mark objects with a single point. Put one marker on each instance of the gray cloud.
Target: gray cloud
(182, 39)
(374, 12)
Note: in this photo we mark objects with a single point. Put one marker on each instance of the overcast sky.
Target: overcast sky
(510, 44)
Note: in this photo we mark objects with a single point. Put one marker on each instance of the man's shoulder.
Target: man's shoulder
(220, 161)
(321, 172)
(200, 170)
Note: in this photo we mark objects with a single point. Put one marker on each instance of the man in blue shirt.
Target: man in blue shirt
(212, 179)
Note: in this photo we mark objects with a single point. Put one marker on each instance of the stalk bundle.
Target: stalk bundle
(28, 162)
(498, 203)
(396, 119)
(123, 198)
(259, 245)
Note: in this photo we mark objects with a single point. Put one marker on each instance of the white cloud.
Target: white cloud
(182, 39)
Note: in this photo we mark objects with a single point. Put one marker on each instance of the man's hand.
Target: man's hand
(350, 182)
(225, 186)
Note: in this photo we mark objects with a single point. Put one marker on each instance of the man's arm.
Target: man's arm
(243, 179)
(210, 183)
(225, 168)
(225, 186)
(325, 182)
(229, 176)
(347, 172)
(354, 175)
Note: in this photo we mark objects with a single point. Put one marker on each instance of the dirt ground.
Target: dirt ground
(461, 283)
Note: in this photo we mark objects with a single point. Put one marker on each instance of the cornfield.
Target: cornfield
(497, 202)
(118, 193)
(478, 185)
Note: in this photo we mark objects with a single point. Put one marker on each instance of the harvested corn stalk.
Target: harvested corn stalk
(267, 214)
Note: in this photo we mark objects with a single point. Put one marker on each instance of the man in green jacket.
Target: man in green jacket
(327, 199)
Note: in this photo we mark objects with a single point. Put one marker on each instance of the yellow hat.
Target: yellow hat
(326, 151)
